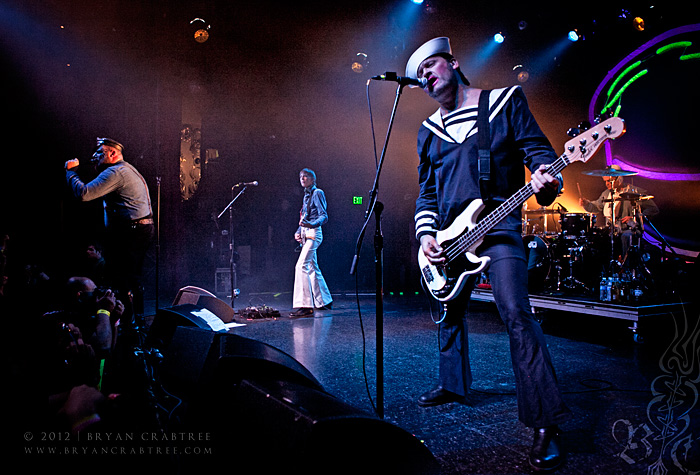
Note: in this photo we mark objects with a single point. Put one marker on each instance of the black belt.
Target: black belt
(142, 221)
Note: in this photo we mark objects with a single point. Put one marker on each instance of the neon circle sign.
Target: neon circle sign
(633, 71)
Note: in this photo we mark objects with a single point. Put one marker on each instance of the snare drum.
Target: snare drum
(538, 262)
(576, 225)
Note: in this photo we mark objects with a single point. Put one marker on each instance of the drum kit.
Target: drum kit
(567, 252)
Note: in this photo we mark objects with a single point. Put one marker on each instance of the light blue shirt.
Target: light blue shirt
(123, 189)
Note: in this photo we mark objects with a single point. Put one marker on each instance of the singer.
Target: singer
(451, 174)
(310, 289)
(129, 219)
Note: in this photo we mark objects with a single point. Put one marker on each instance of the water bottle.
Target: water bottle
(615, 290)
(603, 290)
(637, 292)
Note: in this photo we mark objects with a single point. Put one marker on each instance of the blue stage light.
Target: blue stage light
(573, 35)
(499, 38)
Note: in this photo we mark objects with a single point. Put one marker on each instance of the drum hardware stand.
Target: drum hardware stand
(570, 282)
(614, 265)
(632, 257)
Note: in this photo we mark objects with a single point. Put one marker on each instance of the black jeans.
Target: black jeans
(129, 245)
(540, 402)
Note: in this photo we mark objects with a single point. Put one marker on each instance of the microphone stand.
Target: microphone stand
(661, 237)
(665, 244)
(375, 207)
(158, 179)
(232, 265)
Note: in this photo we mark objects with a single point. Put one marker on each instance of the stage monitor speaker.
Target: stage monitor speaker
(313, 432)
(200, 361)
(204, 298)
(167, 320)
(259, 400)
(283, 427)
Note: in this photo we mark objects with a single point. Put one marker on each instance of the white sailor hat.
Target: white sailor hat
(430, 48)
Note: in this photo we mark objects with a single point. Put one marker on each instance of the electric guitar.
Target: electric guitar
(461, 238)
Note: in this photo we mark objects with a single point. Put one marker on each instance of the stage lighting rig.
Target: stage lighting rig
(521, 73)
(202, 28)
(359, 63)
(575, 35)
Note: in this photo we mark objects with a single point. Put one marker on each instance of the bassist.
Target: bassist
(451, 176)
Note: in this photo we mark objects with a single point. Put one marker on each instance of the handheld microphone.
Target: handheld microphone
(404, 81)
(250, 183)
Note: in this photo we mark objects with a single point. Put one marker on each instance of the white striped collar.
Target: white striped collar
(458, 126)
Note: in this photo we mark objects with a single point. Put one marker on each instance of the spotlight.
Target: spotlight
(417, 2)
(575, 36)
(522, 25)
(499, 38)
(522, 74)
(359, 63)
(201, 34)
(638, 23)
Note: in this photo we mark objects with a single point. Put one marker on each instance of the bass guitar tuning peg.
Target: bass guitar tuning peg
(573, 131)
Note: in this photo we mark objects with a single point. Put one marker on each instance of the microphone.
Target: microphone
(404, 81)
(562, 209)
(250, 183)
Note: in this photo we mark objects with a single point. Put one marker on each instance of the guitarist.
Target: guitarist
(450, 177)
(310, 289)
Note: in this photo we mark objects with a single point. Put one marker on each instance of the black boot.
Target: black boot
(438, 396)
(302, 312)
(545, 453)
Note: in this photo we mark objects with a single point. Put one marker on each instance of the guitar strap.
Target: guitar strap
(304, 213)
(484, 136)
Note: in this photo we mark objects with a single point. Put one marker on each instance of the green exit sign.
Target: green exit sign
(357, 200)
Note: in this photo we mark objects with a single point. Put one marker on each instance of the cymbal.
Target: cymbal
(541, 211)
(630, 197)
(609, 171)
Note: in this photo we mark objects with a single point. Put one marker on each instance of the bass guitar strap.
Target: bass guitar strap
(484, 137)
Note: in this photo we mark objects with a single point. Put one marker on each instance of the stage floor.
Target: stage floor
(607, 379)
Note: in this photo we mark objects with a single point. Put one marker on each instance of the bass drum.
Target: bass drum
(539, 262)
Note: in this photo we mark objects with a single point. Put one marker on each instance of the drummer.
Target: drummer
(628, 202)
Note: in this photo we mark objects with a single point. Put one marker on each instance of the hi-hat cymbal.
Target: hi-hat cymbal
(609, 171)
